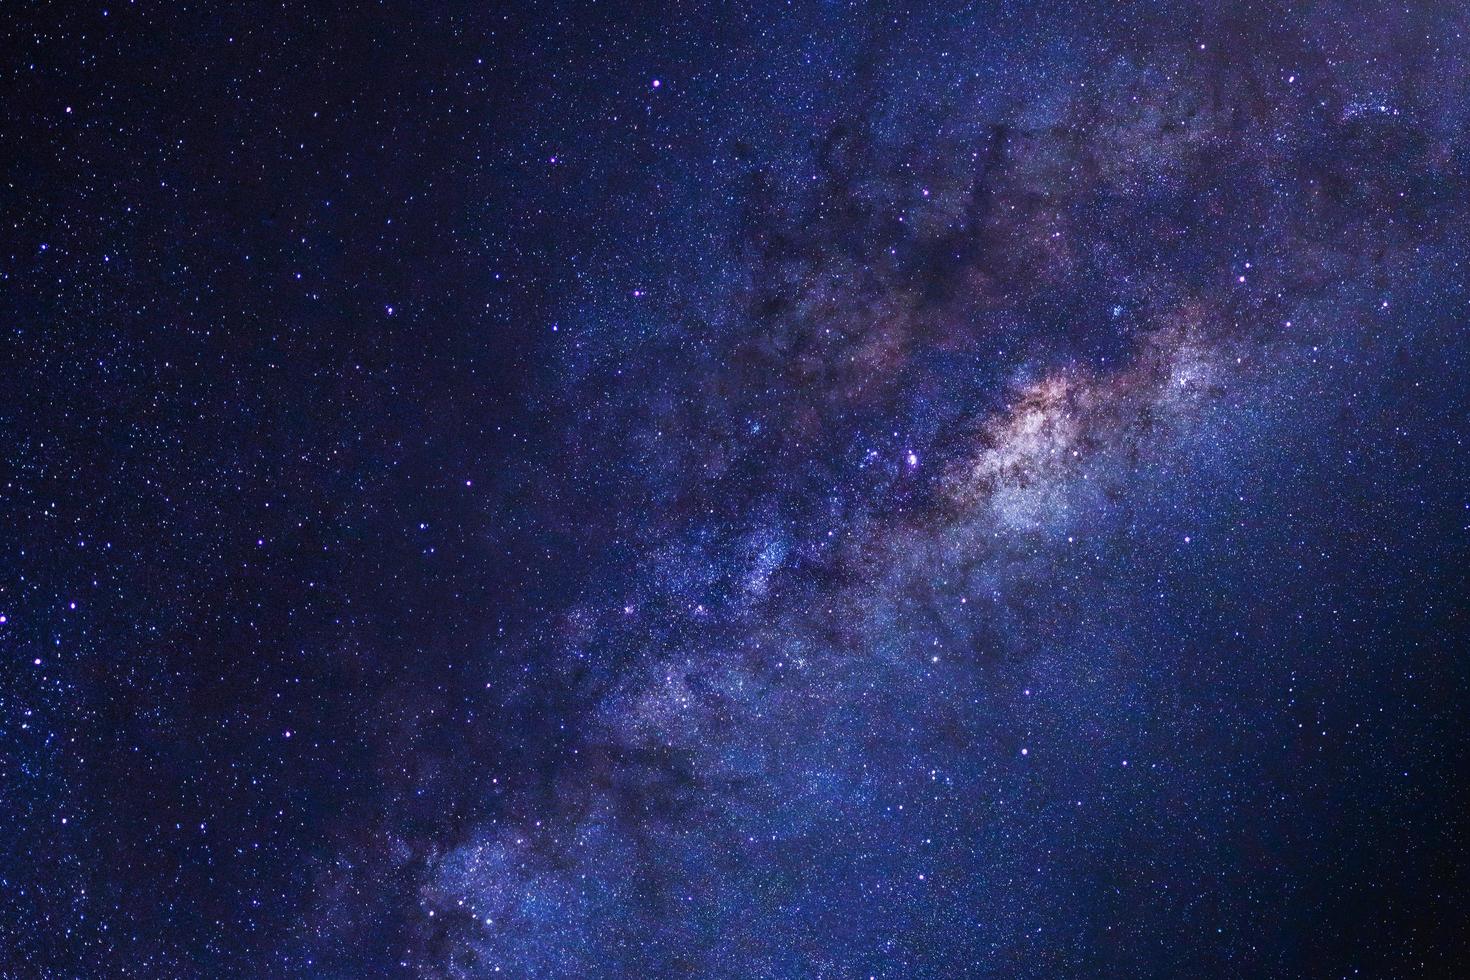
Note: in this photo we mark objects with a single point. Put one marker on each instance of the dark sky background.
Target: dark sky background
(739, 490)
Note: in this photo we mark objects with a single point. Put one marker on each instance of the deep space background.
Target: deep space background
(738, 490)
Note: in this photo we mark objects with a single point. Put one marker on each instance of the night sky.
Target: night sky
(734, 490)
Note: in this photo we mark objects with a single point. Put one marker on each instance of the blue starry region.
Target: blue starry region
(765, 490)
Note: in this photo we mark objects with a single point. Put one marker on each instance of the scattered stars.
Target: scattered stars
(941, 365)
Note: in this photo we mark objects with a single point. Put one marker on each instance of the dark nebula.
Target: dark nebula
(752, 490)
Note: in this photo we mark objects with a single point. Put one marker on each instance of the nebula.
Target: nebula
(942, 694)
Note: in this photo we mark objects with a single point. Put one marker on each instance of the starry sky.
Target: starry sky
(803, 489)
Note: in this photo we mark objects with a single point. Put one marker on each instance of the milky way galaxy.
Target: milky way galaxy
(817, 491)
